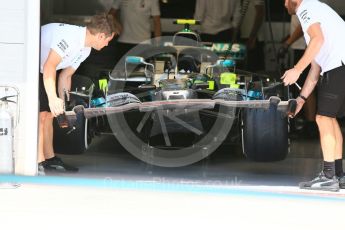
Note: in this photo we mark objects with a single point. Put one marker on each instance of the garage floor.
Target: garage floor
(114, 189)
(107, 158)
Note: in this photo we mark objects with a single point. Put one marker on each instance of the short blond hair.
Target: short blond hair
(102, 23)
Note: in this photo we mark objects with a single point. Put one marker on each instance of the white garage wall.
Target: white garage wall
(19, 62)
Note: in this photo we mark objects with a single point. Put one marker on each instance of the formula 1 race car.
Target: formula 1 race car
(173, 105)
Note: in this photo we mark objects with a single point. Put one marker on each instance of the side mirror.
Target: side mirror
(228, 63)
(135, 60)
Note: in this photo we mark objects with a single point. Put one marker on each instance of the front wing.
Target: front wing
(70, 117)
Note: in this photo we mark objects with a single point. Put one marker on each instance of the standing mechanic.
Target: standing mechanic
(297, 44)
(324, 31)
(64, 47)
(252, 34)
(219, 19)
(135, 17)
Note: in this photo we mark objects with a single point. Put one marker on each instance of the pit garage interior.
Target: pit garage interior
(222, 188)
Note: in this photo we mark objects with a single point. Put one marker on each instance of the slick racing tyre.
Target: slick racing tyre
(68, 141)
(264, 134)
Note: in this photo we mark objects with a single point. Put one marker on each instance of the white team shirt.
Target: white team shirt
(300, 43)
(68, 41)
(218, 15)
(332, 52)
(135, 18)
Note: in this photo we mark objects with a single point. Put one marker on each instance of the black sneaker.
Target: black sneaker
(57, 164)
(40, 169)
(342, 182)
(321, 182)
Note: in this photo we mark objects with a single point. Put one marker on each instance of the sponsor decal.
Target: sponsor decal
(63, 45)
(304, 16)
(78, 58)
(3, 131)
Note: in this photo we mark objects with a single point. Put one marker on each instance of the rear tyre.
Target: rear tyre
(265, 134)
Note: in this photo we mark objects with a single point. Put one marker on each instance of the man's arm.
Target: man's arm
(157, 28)
(315, 44)
(289, 40)
(258, 20)
(49, 79)
(296, 34)
(65, 81)
(311, 80)
(309, 84)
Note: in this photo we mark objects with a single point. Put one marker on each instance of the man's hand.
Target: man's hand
(283, 50)
(290, 76)
(251, 43)
(56, 106)
(300, 103)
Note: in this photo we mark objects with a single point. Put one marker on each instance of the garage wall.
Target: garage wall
(76, 7)
(19, 62)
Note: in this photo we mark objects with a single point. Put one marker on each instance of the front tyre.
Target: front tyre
(265, 134)
(67, 141)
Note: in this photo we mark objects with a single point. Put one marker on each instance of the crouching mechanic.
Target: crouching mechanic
(64, 47)
(324, 32)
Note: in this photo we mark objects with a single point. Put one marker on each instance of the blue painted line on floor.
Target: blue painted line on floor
(108, 183)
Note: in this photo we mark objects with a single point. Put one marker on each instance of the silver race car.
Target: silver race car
(175, 104)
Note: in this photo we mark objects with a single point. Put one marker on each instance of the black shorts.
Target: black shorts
(44, 103)
(331, 93)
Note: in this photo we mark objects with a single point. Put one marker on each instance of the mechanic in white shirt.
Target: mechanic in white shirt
(219, 19)
(252, 34)
(324, 32)
(297, 43)
(64, 47)
(136, 17)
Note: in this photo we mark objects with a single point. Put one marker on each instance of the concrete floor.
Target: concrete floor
(115, 190)
(107, 158)
(72, 207)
